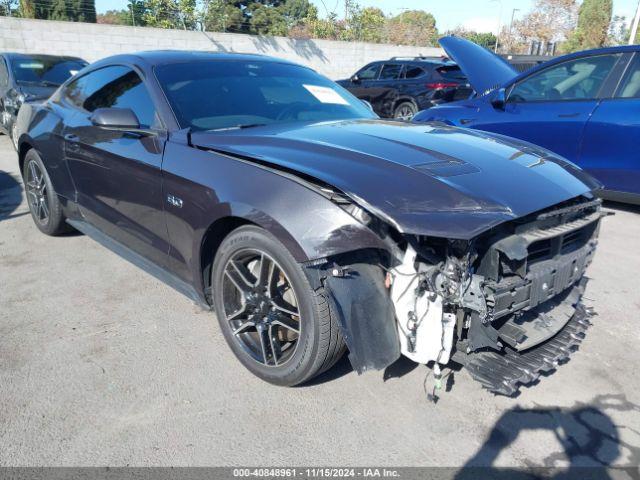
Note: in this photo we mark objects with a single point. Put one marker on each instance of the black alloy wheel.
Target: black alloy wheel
(44, 205)
(36, 189)
(405, 111)
(261, 307)
(278, 326)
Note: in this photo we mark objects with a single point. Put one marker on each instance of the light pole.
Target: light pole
(495, 50)
(634, 27)
(513, 14)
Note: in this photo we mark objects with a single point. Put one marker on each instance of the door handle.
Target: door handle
(568, 115)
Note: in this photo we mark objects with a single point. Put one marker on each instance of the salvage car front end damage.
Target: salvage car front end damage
(506, 304)
(478, 259)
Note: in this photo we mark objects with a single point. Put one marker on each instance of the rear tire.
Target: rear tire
(43, 201)
(250, 316)
(405, 111)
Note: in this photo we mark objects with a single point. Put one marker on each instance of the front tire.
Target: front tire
(275, 323)
(43, 201)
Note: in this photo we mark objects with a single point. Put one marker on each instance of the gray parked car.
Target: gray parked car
(26, 77)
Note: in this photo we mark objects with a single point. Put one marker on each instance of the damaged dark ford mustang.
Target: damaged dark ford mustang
(268, 193)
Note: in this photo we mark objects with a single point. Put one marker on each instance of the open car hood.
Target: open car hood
(427, 179)
(485, 70)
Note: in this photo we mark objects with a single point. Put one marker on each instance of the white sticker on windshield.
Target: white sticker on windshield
(73, 72)
(32, 65)
(326, 95)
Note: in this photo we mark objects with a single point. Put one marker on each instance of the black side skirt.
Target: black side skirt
(140, 262)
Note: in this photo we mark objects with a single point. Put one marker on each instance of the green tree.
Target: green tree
(369, 25)
(69, 10)
(594, 18)
(297, 11)
(8, 7)
(413, 27)
(179, 14)
(136, 9)
(59, 10)
(264, 17)
(267, 20)
(485, 39)
(220, 16)
(84, 11)
(115, 17)
(27, 9)
(329, 28)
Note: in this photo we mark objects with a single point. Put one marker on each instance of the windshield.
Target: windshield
(44, 70)
(224, 94)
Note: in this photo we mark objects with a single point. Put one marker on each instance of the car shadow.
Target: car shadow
(340, 369)
(589, 438)
(399, 368)
(10, 196)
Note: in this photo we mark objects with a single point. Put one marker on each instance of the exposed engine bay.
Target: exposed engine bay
(506, 305)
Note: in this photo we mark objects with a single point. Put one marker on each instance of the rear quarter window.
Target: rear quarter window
(414, 72)
(452, 72)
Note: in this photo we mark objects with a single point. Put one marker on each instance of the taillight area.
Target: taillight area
(441, 85)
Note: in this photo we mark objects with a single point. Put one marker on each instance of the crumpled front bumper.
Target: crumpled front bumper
(504, 372)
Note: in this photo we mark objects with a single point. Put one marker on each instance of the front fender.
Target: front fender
(40, 127)
(214, 186)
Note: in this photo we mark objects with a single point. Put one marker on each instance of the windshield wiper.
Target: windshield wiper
(239, 127)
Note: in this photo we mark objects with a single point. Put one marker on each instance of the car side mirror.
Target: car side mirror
(120, 119)
(500, 99)
(355, 78)
(116, 118)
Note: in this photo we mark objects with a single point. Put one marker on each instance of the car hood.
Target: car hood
(37, 92)
(485, 70)
(427, 179)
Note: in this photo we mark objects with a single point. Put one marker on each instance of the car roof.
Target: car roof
(420, 60)
(12, 55)
(425, 62)
(152, 58)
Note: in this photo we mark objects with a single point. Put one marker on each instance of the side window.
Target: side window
(390, 71)
(118, 87)
(413, 72)
(578, 79)
(630, 87)
(4, 73)
(452, 72)
(370, 72)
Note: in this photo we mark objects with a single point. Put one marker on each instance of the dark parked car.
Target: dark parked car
(270, 194)
(400, 87)
(25, 77)
(584, 106)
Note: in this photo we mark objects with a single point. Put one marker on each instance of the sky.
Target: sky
(478, 15)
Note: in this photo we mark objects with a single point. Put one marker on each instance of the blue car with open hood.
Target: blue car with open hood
(584, 106)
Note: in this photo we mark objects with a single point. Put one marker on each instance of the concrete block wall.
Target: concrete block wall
(93, 41)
